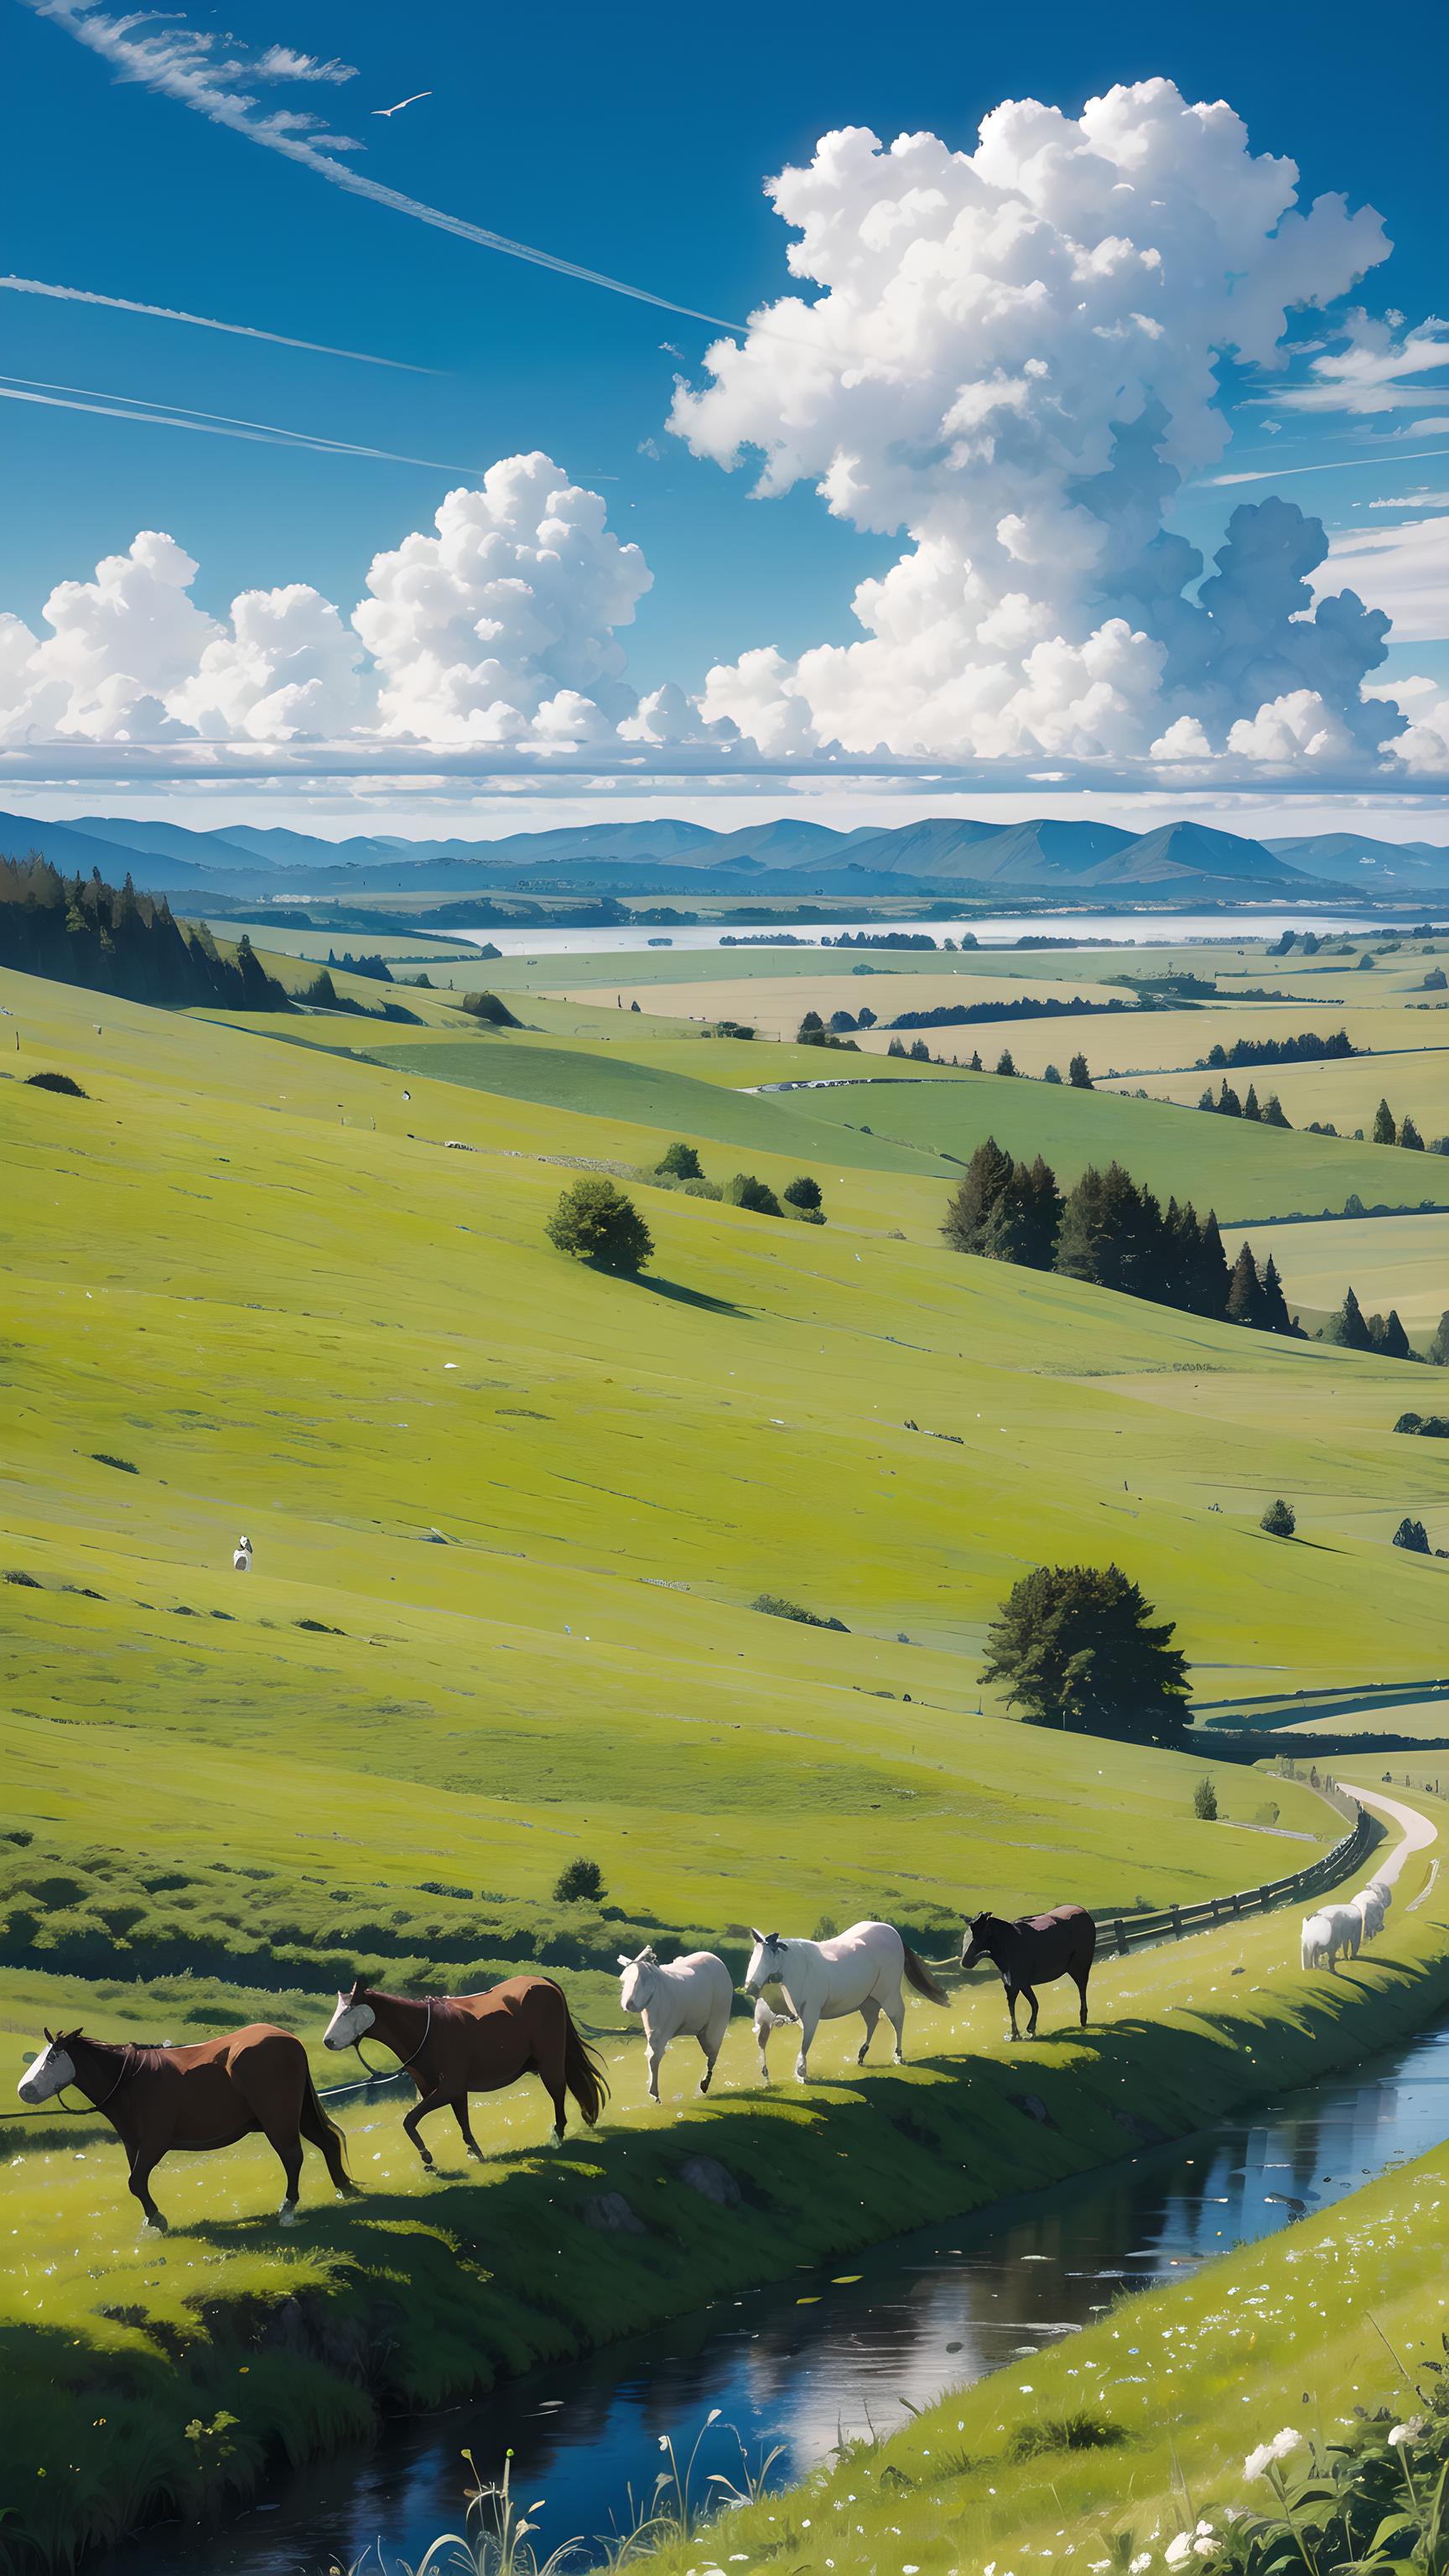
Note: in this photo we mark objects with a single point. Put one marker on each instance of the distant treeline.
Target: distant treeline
(961, 1015)
(896, 939)
(376, 967)
(1108, 1231)
(79, 930)
(1306, 1049)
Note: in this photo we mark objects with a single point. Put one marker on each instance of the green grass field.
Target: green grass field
(510, 1515)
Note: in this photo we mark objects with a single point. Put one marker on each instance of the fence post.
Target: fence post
(1177, 1922)
(1121, 1938)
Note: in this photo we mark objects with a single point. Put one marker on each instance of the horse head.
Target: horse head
(52, 2070)
(981, 1939)
(639, 1978)
(766, 1959)
(353, 2016)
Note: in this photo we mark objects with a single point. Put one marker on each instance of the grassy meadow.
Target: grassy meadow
(510, 1515)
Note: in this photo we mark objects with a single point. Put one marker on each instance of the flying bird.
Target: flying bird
(403, 102)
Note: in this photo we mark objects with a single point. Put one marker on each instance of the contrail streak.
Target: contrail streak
(93, 398)
(201, 322)
(1341, 465)
(178, 66)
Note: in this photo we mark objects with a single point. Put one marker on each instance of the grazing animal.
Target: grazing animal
(766, 2020)
(688, 1999)
(454, 2045)
(206, 2095)
(242, 1559)
(855, 1971)
(1371, 1905)
(1034, 1950)
(1333, 1930)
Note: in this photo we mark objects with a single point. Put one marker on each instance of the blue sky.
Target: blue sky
(636, 144)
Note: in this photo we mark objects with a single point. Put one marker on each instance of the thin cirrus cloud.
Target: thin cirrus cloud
(110, 406)
(1337, 465)
(182, 63)
(200, 322)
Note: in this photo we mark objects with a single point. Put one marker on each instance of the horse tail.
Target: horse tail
(583, 2069)
(325, 2133)
(919, 1976)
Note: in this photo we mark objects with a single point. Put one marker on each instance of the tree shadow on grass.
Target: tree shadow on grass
(681, 1296)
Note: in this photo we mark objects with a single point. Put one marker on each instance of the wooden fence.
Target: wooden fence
(1124, 1932)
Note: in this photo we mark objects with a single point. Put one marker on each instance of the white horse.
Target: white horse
(242, 1559)
(766, 2020)
(1371, 1905)
(688, 1999)
(1333, 1930)
(856, 1971)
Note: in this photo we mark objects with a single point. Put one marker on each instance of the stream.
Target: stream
(795, 2363)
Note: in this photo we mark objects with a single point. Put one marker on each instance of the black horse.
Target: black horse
(1033, 1950)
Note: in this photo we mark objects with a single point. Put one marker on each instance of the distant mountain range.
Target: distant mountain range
(1194, 861)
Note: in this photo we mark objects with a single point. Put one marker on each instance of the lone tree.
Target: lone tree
(802, 1193)
(1439, 1347)
(1077, 1074)
(597, 1223)
(1385, 1132)
(680, 1163)
(1412, 1535)
(1077, 1647)
(1279, 1520)
(746, 1191)
(1205, 1801)
(581, 1882)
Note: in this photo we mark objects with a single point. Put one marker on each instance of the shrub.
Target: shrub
(1279, 1520)
(1429, 1426)
(681, 1163)
(1205, 1801)
(802, 1193)
(1076, 2432)
(596, 1222)
(57, 1082)
(1268, 1813)
(103, 1458)
(826, 1929)
(581, 1882)
(775, 1607)
(487, 1006)
(746, 1192)
(1410, 1534)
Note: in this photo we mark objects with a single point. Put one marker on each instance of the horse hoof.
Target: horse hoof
(287, 2214)
(476, 2155)
(154, 2226)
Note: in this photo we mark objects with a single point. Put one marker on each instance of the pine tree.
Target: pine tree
(1273, 1113)
(1250, 1105)
(1439, 1347)
(1410, 1138)
(1275, 1317)
(1077, 1074)
(1385, 1132)
(971, 1202)
(1229, 1105)
(1004, 1063)
(1084, 1227)
(1210, 1282)
(1348, 1327)
(1046, 1215)
(1205, 1099)
(1392, 1339)
(1077, 1647)
(975, 1066)
(1245, 1290)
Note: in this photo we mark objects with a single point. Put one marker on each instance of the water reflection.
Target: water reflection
(822, 2354)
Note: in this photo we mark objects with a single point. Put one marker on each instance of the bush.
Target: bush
(103, 1458)
(826, 1929)
(1412, 1535)
(1205, 1801)
(802, 1193)
(746, 1192)
(57, 1082)
(1279, 1520)
(596, 1222)
(1429, 1426)
(1268, 1813)
(487, 1006)
(580, 1883)
(681, 1163)
(775, 1607)
(1077, 2432)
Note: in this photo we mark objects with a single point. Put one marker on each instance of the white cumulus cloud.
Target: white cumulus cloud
(1404, 568)
(1012, 360)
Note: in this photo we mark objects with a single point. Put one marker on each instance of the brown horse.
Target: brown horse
(196, 2098)
(1034, 1950)
(454, 2045)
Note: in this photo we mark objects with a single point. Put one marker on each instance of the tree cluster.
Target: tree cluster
(1355, 1331)
(1111, 1233)
(961, 1015)
(1077, 1647)
(376, 968)
(813, 1032)
(1307, 1049)
(1226, 1103)
(1389, 1130)
(110, 939)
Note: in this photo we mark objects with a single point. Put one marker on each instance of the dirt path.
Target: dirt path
(1416, 1831)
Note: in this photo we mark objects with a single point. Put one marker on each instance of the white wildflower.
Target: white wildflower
(1412, 2431)
(1178, 2550)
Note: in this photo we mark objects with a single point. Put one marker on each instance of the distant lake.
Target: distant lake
(995, 930)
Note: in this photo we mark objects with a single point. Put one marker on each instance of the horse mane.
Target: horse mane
(142, 2056)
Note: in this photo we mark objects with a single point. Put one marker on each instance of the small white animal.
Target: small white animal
(1371, 1905)
(1333, 1930)
(242, 1559)
(690, 1998)
(767, 2020)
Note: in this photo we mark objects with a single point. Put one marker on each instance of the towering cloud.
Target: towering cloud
(1013, 361)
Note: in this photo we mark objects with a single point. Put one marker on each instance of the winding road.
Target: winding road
(1416, 1831)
